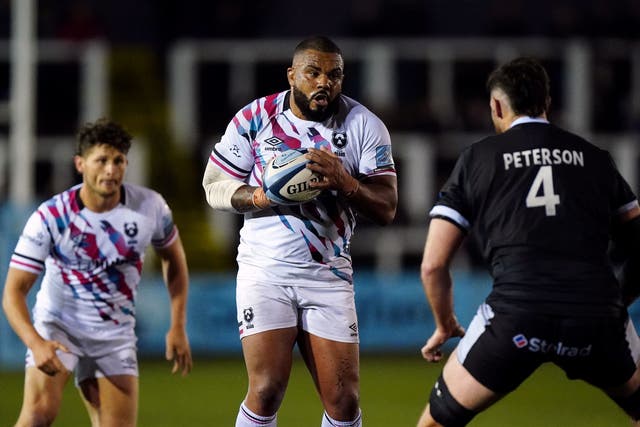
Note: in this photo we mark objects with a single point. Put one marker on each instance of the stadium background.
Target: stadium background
(174, 73)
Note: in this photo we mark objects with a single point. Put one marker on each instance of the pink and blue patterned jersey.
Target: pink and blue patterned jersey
(307, 244)
(92, 261)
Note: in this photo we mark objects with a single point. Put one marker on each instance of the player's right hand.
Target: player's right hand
(260, 200)
(46, 358)
(431, 351)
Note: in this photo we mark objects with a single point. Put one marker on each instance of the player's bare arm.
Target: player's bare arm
(175, 273)
(443, 239)
(14, 302)
(248, 198)
(374, 197)
(229, 194)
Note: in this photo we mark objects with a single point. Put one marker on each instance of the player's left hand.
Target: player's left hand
(329, 165)
(178, 350)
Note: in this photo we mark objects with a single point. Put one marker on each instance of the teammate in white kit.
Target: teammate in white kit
(90, 241)
(294, 281)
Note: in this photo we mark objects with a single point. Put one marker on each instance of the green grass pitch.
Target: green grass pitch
(394, 391)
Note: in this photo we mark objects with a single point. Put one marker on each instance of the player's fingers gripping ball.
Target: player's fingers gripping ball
(286, 179)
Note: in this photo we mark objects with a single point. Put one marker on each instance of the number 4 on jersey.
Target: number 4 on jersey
(548, 199)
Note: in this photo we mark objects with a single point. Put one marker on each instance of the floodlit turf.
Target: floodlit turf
(394, 390)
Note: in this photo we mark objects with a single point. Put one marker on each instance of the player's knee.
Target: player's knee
(268, 395)
(445, 409)
(630, 404)
(38, 417)
(343, 404)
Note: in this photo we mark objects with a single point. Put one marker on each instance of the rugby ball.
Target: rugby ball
(286, 178)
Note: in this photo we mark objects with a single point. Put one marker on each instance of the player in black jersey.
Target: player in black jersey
(542, 203)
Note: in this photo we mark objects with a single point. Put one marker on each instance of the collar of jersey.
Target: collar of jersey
(527, 119)
(81, 204)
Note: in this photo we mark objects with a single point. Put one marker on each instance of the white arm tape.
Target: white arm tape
(219, 188)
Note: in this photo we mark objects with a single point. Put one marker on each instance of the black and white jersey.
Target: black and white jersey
(540, 202)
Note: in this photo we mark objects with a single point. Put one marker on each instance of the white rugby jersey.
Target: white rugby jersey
(92, 261)
(308, 244)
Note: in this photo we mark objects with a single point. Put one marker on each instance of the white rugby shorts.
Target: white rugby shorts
(327, 312)
(93, 353)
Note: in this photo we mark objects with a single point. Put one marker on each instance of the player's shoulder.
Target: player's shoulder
(65, 201)
(350, 107)
(352, 112)
(576, 140)
(267, 106)
(138, 197)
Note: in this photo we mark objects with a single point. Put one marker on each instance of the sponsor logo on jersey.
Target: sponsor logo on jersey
(37, 240)
(520, 341)
(102, 263)
(540, 345)
(167, 224)
(383, 157)
(339, 139)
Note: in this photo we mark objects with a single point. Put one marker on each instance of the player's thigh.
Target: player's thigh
(464, 388)
(268, 355)
(117, 404)
(330, 363)
(329, 313)
(496, 349)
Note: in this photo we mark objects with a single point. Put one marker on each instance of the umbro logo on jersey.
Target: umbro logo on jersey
(128, 362)
(354, 328)
(273, 141)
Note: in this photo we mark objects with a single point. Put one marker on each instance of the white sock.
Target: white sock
(327, 421)
(246, 418)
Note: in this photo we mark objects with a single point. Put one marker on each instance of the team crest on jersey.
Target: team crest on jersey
(248, 316)
(131, 229)
(79, 238)
(339, 139)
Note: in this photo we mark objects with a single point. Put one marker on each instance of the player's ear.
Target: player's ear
(78, 161)
(290, 78)
(497, 107)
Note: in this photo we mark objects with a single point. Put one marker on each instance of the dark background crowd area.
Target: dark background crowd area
(159, 22)
(156, 25)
